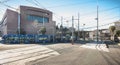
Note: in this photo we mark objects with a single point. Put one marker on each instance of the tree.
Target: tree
(57, 28)
(43, 30)
(118, 33)
(65, 30)
(112, 31)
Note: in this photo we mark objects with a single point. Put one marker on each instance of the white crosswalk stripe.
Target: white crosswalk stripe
(22, 55)
(100, 47)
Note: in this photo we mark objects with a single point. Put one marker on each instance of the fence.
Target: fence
(28, 38)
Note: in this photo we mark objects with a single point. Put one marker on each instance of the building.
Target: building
(117, 25)
(103, 34)
(27, 19)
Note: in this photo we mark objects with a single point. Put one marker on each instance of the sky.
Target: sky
(109, 11)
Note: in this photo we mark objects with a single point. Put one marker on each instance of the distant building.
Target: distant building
(103, 34)
(117, 25)
(27, 19)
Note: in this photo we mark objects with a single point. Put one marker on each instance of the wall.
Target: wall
(12, 22)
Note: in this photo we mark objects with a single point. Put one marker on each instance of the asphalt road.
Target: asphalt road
(76, 55)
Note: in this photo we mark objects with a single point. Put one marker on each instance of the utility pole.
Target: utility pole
(43, 22)
(119, 12)
(18, 23)
(97, 21)
(61, 27)
(83, 32)
(67, 24)
(72, 30)
(78, 26)
(54, 32)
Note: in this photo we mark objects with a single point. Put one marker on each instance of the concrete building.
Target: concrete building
(27, 19)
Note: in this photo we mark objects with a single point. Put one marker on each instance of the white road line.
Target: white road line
(28, 53)
(100, 47)
(19, 49)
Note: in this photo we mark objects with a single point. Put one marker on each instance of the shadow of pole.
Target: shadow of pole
(107, 57)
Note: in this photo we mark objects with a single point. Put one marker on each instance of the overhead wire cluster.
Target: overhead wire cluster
(37, 3)
(3, 3)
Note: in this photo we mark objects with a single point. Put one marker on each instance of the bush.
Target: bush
(118, 33)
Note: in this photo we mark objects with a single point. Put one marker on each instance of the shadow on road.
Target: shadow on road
(108, 57)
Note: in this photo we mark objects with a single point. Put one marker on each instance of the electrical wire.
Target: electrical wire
(4, 1)
(71, 4)
(64, 18)
(8, 6)
(38, 4)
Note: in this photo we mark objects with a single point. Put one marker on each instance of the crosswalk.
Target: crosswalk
(21, 56)
(100, 47)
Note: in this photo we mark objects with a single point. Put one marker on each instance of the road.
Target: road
(22, 54)
(77, 55)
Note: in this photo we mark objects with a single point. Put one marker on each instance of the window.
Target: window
(40, 19)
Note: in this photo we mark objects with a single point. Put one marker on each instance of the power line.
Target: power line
(104, 19)
(99, 26)
(103, 24)
(71, 4)
(38, 4)
(54, 13)
(64, 18)
(110, 9)
(8, 6)
(17, 9)
(4, 1)
(109, 18)
(100, 11)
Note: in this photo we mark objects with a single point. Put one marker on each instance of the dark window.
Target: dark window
(40, 19)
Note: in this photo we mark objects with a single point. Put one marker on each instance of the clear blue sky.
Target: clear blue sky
(109, 10)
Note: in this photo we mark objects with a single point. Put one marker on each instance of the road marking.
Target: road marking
(100, 47)
(27, 54)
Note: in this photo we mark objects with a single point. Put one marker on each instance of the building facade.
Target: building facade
(27, 19)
